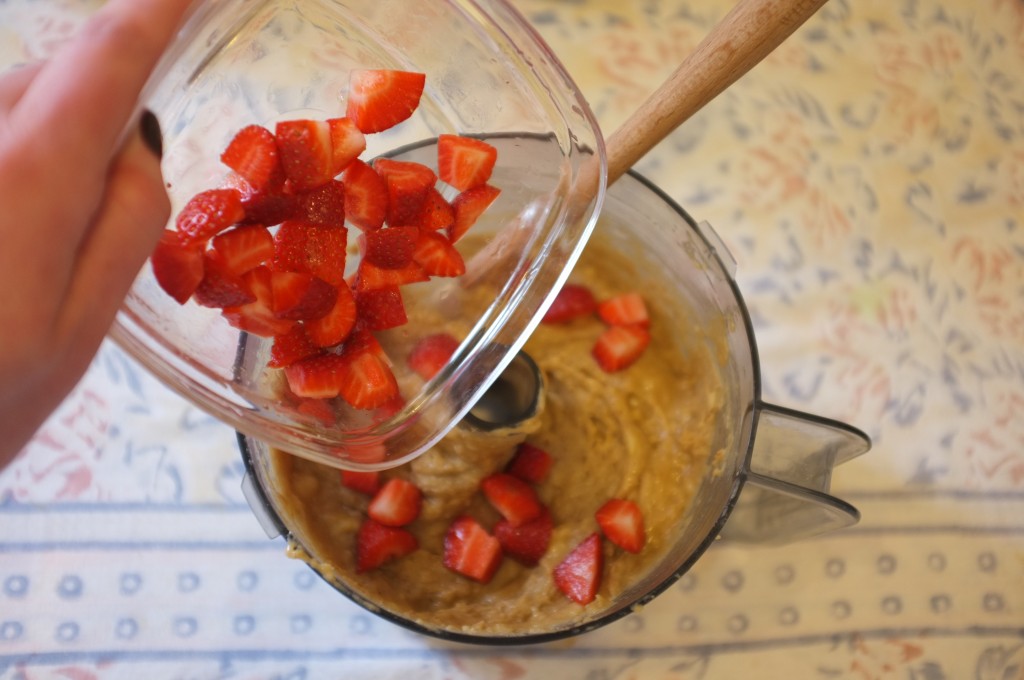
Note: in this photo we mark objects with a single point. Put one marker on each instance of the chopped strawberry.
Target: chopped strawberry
(390, 248)
(408, 184)
(208, 213)
(270, 207)
(299, 296)
(257, 317)
(437, 256)
(530, 463)
(381, 309)
(290, 347)
(178, 268)
(366, 380)
(220, 287)
(366, 482)
(471, 551)
(253, 154)
(464, 162)
(624, 310)
(431, 353)
(378, 100)
(377, 544)
(572, 302)
(366, 196)
(306, 152)
(324, 205)
(396, 504)
(468, 206)
(317, 408)
(347, 142)
(302, 246)
(372, 277)
(619, 346)
(512, 497)
(243, 248)
(362, 340)
(436, 213)
(579, 574)
(334, 326)
(528, 542)
(622, 524)
(318, 377)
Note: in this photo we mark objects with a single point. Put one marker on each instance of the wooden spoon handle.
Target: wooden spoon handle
(744, 37)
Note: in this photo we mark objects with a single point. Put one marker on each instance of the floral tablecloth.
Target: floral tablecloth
(869, 179)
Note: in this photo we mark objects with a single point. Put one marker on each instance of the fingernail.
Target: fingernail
(149, 126)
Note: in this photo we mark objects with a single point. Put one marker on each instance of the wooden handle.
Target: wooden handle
(745, 36)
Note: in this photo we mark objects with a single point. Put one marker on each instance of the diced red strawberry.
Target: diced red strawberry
(347, 142)
(291, 242)
(579, 574)
(178, 268)
(528, 542)
(208, 213)
(325, 204)
(572, 302)
(258, 317)
(270, 207)
(464, 162)
(390, 248)
(530, 463)
(367, 381)
(622, 523)
(363, 481)
(253, 154)
(317, 408)
(243, 248)
(302, 246)
(299, 296)
(436, 213)
(407, 185)
(290, 347)
(437, 256)
(372, 277)
(512, 497)
(377, 544)
(306, 152)
(380, 99)
(334, 326)
(396, 504)
(469, 206)
(471, 551)
(362, 340)
(366, 196)
(318, 377)
(381, 309)
(431, 353)
(619, 346)
(624, 310)
(220, 287)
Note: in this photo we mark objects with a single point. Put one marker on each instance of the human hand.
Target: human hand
(79, 214)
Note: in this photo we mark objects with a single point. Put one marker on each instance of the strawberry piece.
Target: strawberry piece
(572, 302)
(318, 377)
(371, 277)
(258, 317)
(380, 99)
(464, 162)
(468, 206)
(221, 288)
(408, 184)
(362, 340)
(624, 310)
(291, 244)
(471, 551)
(363, 481)
(178, 268)
(437, 256)
(299, 296)
(619, 346)
(436, 213)
(270, 207)
(347, 142)
(512, 497)
(381, 309)
(578, 576)
(334, 326)
(302, 246)
(306, 152)
(530, 463)
(366, 196)
(317, 408)
(377, 544)
(431, 353)
(208, 213)
(253, 154)
(324, 205)
(528, 542)
(390, 248)
(290, 347)
(396, 504)
(243, 248)
(622, 524)
(366, 380)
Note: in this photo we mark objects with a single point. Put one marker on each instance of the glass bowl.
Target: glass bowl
(488, 75)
